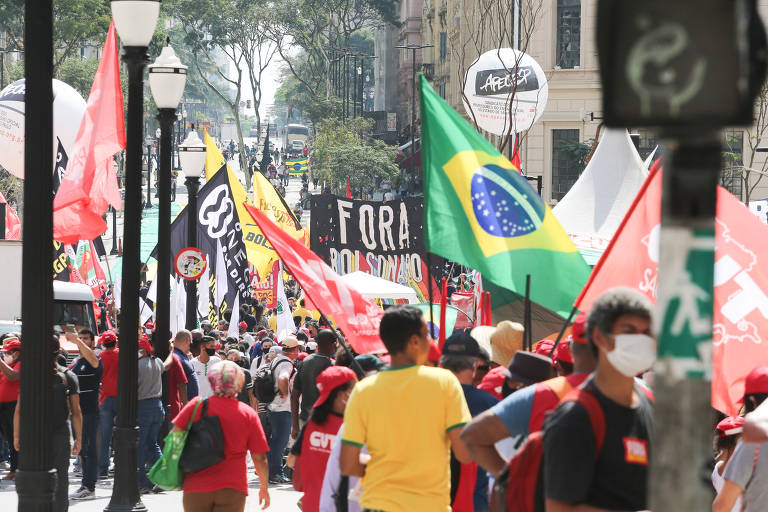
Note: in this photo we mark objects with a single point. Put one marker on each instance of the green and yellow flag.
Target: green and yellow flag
(298, 165)
(480, 212)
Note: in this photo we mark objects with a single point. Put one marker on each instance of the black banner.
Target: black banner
(385, 239)
(60, 263)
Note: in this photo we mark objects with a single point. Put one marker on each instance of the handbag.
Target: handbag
(165, 473)
(205, 443)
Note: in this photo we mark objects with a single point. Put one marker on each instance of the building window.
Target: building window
(443, 45)
(441, 90)
(565, 161)
(733, 162)
(648, 143)
(568, 33)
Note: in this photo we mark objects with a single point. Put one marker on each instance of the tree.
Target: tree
(341, 151)
(258, 50)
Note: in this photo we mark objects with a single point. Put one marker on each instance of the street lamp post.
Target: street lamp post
(135, 22)
(192, 156)
(36, 478)
(167, 78)
(148, 143)
(413, 48)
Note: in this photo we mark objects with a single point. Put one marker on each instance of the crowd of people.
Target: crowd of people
(477, 424)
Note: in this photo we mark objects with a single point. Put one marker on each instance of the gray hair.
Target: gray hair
(613, 304)
(183, 335)
(458, 364)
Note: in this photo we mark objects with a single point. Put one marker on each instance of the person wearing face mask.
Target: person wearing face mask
(203, 363)
(108, 398)
(615, 477)
(10, 375)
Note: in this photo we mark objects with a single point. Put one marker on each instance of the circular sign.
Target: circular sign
(190, 263)
(68, 111)
(498, 77)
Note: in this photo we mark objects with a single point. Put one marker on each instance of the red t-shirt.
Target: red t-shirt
(109, 379)
(175, 377)
(242, 432)
(315, 450)
(9, 389)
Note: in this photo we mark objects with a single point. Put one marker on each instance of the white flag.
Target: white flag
(181, 304)
(145, 312)
(204, 298)
(118, 285)
(222, 280)
(285, 325)
(235, 318)
(152, 292)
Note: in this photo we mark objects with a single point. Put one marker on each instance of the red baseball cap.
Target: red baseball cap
(330, 379)
(11, 344)
(563, 353)
(108, 336)
(757, 381)
(494, 381)
(242, 325)
(434, 353)
(579, 329)
(145, 344)
(302, 355)
(730, 426)
(544, 347)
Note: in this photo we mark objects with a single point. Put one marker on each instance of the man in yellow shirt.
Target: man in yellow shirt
(409, 417)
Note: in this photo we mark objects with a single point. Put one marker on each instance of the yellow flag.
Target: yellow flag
(213, 157)
(267, 199)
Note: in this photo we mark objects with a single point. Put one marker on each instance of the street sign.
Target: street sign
(190, 263)
(391, 122)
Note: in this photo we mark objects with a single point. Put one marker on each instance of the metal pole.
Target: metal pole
(114, 232)
(682, 374)
(413, 114)
(148, 204)
(354, 81)
(36, 477)
(192, 185)
(3, 206)
(125, 493)
(346, 86)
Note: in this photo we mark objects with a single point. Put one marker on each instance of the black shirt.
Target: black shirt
(614, 479)
(243, 395)
(64, 385)
(306, 375)
(89, 379)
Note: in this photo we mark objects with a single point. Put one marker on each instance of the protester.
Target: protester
(615, 477)
(88, 369)
(312, 448)
(411, 471)
(246, 393)
(279, 411)
(305, 390)
(223, 487)
(203, 363)
(727, 434)
(746, 473)
(108, 398)
(177, 385)
(501, 341)
(10, 375)
(181, 347)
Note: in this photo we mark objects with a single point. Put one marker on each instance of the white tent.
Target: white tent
(593, 208)
(372, 287)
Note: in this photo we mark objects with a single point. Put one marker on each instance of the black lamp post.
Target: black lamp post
(413, 48)
(148, 144)
(36, 477)
(135, 22)
(167, 78)
(114, 250)
(192, 156)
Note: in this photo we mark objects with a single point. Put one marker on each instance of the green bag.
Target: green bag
(166, 473)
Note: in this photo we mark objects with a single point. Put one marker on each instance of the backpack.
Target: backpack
(264, 382)
(517, 487)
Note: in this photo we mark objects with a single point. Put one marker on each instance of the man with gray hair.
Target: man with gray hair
(597, 448)
(181, 345)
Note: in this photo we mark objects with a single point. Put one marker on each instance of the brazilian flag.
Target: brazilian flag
(480, 212)
(298, 165)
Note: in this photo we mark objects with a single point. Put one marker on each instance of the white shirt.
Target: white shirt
(202, 369)
(332, 480)
(280, 404)
(718, 481)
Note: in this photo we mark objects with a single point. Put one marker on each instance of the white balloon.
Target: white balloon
(489, 87)
(68, 111)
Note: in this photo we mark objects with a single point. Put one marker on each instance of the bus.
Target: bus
(296, 135)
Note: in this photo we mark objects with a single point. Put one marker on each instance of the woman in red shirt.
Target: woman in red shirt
(224, 486)
(313, 446)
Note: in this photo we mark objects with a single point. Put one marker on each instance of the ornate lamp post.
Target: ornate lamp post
(135, 22)
(192, 157)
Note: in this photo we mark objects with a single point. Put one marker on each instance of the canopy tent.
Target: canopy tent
(593, 208)
(372, 287)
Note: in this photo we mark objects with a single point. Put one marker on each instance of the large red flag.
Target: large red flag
(357, 317)
(90, 183)
(741, 281)
(12, 222)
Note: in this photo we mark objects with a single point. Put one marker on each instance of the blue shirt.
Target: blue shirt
(193, 388)
(515, 411)
(478, 402)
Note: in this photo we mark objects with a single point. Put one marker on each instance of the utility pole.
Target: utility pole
(413, 48)
(638, 42)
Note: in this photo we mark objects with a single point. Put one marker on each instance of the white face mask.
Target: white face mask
(632, 353)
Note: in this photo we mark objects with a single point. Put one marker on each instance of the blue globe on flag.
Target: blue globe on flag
(297, 167)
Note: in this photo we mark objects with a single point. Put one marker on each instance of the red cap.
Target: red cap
(302, 355)
(331, 378)
(434, 353)
(242, 325)
(218, 345)
(11, 344)
(757, 381)
(579, 329)
(730, 426)
(145, 344)
(108, 336)
(563, 352)
(386, 358)
(544, 347)
(493, 381)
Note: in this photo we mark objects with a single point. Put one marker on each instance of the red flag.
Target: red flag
(12, 222)
(741, 282)
(99, 271)
(515, 160)
(443, 311)
(358, 317)
(349, 192)
(90, 183)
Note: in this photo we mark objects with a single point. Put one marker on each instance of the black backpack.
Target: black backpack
(264, 382)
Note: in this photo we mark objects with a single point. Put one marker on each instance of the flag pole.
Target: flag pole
(429, 292)
(355, 365)
(562, 331)
(443, 304)
(527, 345)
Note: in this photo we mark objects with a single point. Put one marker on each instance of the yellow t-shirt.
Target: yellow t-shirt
(404, 415)
(273, 323)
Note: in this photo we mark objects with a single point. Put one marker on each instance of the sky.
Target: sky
(270, 83)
